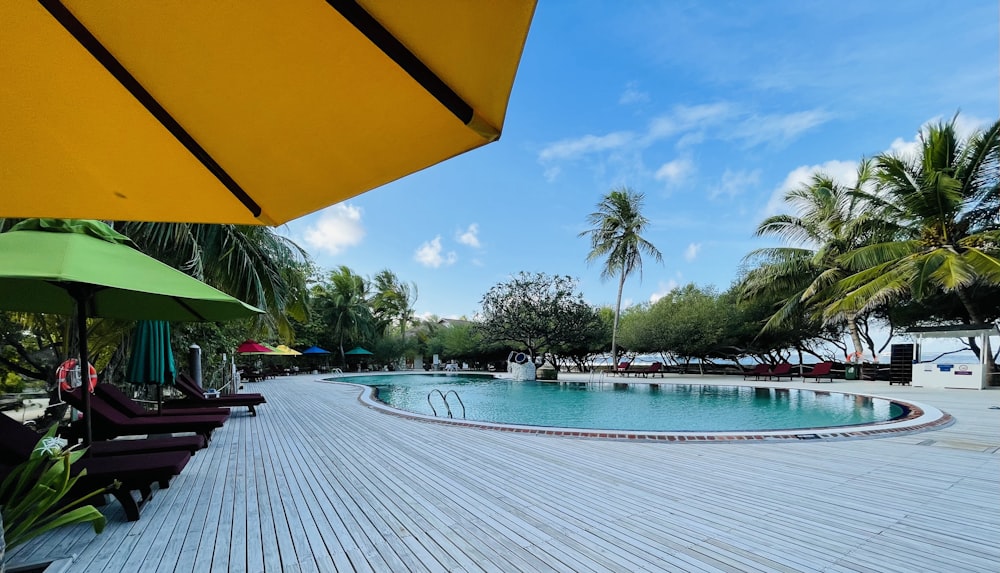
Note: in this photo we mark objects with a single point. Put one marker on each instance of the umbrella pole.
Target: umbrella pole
(159, 399)
(80, 295)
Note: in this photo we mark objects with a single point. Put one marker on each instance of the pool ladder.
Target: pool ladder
(444, 398)
(597, 377)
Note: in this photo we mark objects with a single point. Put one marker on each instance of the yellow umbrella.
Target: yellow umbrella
(241, 112)
(286, 350)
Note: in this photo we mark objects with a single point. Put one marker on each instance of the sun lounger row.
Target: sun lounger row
(785, 370)
(629, 369)
(136, 463)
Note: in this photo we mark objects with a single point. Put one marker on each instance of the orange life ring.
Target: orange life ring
(64, 375)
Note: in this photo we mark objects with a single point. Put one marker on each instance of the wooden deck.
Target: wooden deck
(319, 482)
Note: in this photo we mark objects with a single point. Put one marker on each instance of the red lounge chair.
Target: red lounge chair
(196, 397)
(783, 370)
(654, 368)
(112, 395)
(623, 368)
(821, 370)
(136, 472)
(107, 422)
(757, 372)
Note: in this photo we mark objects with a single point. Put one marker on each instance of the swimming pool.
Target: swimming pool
(634, 407)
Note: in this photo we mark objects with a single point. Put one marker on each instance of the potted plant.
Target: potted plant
(33, 496)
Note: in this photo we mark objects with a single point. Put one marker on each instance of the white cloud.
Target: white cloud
(429, 254)
(691, 252)
(777, 129)
(685, 119)
(663, 290)
(633, 95)
(574, 148)
(674, 172)
(470, 236)
(734, 183)
(338, 227)
(843, 172)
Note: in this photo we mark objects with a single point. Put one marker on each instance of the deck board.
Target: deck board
(319, 482)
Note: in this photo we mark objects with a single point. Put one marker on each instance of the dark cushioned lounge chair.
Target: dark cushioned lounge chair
(136, 472)
(118, 399)
(196, 397)
(783, 370)
(107, 422)
(758, 371)
(821, 370)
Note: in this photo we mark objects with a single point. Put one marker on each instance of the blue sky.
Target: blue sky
(711, 109)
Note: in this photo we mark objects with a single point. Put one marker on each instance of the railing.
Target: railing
(444, 398)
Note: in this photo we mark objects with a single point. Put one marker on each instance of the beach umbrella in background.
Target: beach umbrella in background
(86, 269)
(315, 350)
(248, 347)
(242, 112)
(358, 351)
(286, 351)
(152, 359)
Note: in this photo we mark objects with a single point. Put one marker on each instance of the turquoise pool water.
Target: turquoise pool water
(640, 407)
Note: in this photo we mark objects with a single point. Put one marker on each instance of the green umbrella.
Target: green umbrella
(357, 350)
(152, 359)
(86, 269)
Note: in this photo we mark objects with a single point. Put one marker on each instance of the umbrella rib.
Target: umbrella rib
(411, 64)
(188, 308)
(128, 81)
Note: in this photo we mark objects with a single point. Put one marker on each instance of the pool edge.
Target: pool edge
(920, 418)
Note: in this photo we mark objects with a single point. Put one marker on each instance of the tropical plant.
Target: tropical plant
(946, 201)
(616, 240)
(830, 219)
(343, 304)
(393, 299)
(32, 497)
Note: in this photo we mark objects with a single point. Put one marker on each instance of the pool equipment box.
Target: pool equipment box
(953, 375)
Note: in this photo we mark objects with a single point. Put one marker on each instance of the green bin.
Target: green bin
(851, 372)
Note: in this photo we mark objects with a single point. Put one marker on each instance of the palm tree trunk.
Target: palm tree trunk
(852, 328)
(614, 328)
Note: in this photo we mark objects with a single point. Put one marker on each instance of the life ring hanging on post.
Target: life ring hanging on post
(69, 377)
(521, 358)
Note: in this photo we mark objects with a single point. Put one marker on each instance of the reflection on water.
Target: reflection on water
(618, 406)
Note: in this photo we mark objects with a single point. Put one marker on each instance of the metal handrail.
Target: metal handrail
(446, 394)
(444, 398)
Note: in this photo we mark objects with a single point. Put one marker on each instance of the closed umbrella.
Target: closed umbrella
(152, 359)
(242, 112)
(86, 269)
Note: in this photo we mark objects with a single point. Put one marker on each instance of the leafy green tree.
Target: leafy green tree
(536, 312)
(945, 199)
(393, 299)
(616, 240)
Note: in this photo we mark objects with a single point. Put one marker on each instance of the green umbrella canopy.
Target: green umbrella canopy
(41, 260)
(86, 269)
(357, 350)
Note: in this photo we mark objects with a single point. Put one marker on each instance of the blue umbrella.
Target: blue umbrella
(315, 350)
(152, 360)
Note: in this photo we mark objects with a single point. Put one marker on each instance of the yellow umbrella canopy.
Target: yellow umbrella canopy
(285, 350)
(241, 112)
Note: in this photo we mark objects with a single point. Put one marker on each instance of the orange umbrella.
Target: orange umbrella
(241, 112)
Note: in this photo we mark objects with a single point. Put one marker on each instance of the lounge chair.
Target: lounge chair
(821, 370)
(758, 371)
(623, 368)
(107, 422)
(783, 370)
(196, 396)
(654, 368)
(112, 395)
(135, 472)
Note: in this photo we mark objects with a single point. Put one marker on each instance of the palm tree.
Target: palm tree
(252, 263)
(346, 308)
(830, 220)
(945, 199)
(616, 239)
(393, 298)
